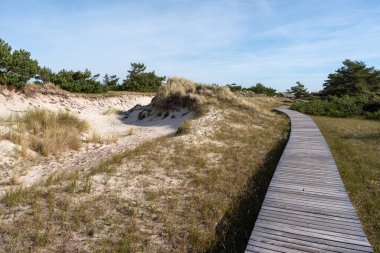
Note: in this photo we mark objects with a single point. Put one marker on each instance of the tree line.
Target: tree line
(17, 68)
(352, 90)
(258, 88)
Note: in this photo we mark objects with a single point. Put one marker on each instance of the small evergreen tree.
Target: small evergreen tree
(298, 90)
(139, 80)
(110, 80)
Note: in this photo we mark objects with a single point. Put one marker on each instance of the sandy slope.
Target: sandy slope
(97, 110)
(107, 115)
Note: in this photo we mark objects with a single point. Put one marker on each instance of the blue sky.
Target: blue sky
(274, 42)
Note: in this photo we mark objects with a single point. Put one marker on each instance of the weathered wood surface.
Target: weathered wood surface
(306, 208)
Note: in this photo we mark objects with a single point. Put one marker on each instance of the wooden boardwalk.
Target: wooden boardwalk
(306, 208)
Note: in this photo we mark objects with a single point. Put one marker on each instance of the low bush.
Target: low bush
(84, 86)
(177, 93)
(346, 106)
(259, 88)
(373, 115)
(78, 81)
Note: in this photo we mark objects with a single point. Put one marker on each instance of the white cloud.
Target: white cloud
(242, 41)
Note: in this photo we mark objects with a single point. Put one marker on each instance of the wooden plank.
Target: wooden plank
(285, 244)
(300, 200)
(311, 239)
(326, 235)
(273, 248)
(302, 188)
(328, 217)
(310, 224)
(310, 197)
(311, 246)
(312, 220)
(307, 208)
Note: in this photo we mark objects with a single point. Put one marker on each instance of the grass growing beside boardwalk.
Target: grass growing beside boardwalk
(355, 144)
(196, 191)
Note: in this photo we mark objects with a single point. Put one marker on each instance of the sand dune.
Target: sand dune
(108, 115)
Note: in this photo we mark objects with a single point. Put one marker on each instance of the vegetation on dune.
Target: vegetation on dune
(197, 191)
(355, 147)
(44, 132)
(183, 93)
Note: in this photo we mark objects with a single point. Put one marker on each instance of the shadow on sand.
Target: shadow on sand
(145, 116)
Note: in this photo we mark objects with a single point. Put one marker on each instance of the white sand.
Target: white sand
(93, 109)
(107, 115)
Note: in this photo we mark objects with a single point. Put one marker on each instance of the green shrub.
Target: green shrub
(346, 106)
(78, 81)
(259, 88)
(84, 86)
(373, 115)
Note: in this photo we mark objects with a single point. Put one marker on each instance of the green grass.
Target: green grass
(355, 144)
(344, 107)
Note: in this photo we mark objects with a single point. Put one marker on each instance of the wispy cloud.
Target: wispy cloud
(243, 41)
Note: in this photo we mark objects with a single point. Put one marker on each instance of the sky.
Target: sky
(274, 42)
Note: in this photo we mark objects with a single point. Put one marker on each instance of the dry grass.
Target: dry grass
(48, 88)
(110, 111)
(44, 132)
(55, 221)
(197, 191)
(95, 137)
(355, 146)
(182, 93)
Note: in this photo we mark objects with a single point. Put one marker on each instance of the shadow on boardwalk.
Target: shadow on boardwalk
(235, 228)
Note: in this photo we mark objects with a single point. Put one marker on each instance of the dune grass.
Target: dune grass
(182, 93)
(45, 132)
(355, 144)
(199, 190)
